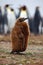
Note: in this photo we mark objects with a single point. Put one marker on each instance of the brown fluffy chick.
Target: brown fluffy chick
(19, 36)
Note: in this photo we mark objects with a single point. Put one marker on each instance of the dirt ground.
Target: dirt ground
(32, 56)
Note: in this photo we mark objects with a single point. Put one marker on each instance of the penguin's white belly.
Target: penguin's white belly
(5, 29)
(40, 28)
(11, 21)
(23, 14)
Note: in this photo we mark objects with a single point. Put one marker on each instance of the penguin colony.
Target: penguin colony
(8, 19)
(19, 36)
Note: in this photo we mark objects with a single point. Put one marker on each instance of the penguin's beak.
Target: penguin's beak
(26, 18)
(22, 19)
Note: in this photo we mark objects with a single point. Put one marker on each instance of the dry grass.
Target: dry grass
(32, 56)
(37, 40)
(5, 38)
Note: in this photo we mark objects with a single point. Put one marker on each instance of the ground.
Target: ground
(32, 56)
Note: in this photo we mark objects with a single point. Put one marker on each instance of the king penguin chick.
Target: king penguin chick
(20, 35)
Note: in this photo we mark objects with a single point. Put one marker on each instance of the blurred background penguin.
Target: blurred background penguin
(10, 17)
(23, 13)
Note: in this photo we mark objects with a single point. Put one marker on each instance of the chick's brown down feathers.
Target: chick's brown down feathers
(19, 36)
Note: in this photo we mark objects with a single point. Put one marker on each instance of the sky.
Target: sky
(31, 4)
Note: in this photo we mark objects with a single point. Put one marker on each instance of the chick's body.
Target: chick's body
(20, 34)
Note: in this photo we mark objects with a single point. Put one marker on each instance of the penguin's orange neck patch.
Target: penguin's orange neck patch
(23, 14)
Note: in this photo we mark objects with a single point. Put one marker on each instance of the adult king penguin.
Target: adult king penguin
(24, 13)
(5, 19)
(11, 17)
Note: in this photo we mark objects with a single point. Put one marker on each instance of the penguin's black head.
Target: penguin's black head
(23, 8)
(22, 19)
(6, 5)
(37, 8)
(12, 9)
